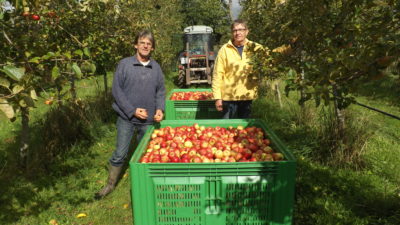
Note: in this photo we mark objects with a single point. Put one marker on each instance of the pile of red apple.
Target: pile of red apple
(200, 144)
(193, 95)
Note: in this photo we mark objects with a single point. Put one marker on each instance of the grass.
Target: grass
(329, 191)
(62, 186)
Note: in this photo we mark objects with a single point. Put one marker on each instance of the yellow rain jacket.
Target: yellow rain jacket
(231, 77)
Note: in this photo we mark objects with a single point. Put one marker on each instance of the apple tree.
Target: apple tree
(37, 53)
(329, 47)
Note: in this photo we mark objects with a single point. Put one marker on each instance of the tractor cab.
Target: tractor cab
(197, 60)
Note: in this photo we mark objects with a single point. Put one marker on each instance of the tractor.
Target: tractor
(196, 62)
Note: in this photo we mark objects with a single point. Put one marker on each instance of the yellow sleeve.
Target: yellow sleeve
(218, 73)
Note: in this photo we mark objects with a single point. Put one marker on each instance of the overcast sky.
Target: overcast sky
(236, 8)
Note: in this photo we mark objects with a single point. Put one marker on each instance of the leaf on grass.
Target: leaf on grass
(53, 222)
(80, 215)
(14, 72)
(7, 108)
(125, 206)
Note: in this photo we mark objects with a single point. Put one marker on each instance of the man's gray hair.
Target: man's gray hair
(239, 21)
(145, 34)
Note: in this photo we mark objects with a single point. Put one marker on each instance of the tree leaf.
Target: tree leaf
(77, 70)
(17, 89)
(86, 51)
(4, 82)
(14, 72)
(68, 55)
(33, 94)
(35, 60)
(22, 103)
(78, 52)
(48, 55)
(7, 108)
(55, 72)
(29, 101)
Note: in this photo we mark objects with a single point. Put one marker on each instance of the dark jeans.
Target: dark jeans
(236, 109)
(125, 131)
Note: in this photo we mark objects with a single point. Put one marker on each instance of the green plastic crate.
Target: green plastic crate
(190, 109)
(245, 193)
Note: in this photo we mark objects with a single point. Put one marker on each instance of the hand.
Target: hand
(218, 105)
(159, 115)
(141, 113)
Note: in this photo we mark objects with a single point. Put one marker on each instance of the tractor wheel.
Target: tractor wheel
(181, 79)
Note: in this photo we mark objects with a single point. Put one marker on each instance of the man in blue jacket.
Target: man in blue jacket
(139, 93)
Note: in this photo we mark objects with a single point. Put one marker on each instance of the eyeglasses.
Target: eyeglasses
(239, 30)
(145, 43)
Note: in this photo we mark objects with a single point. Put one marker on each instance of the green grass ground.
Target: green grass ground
(63, 189)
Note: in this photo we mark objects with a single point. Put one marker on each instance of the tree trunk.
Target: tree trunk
(340, 120)
(105, 84)
(302, 94)
(24, 142)
(278, 93)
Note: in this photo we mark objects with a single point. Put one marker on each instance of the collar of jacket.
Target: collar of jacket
(246, 43)
(136, 62)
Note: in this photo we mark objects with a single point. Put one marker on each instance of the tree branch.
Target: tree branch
(73, 37)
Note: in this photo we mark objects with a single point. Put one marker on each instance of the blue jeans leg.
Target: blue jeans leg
(125, 132)
(141, 130)
(236, 109)
(229, 109)
(244, 109)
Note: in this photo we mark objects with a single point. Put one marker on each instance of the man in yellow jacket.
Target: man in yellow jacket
(234, 87)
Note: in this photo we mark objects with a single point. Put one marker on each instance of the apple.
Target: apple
(188, 144)
(52, 14)
(277, 156)
(219, 154)
(196, 95)
(48, 102)
(35, 17)
(226, 153)
(197, 144)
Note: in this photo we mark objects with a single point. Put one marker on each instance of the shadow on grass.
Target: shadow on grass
(383, 89)
(326, 196)
(59, 148)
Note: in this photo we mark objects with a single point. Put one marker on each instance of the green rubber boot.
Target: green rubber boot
(113, 174)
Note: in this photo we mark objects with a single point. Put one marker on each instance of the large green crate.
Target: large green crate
(190, 109)
(240, 193)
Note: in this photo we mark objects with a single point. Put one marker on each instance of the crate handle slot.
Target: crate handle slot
(213, 199)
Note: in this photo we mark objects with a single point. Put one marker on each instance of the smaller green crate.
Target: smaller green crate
(190, 109)
(235, 193)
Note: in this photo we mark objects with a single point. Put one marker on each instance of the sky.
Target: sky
(236, 8)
